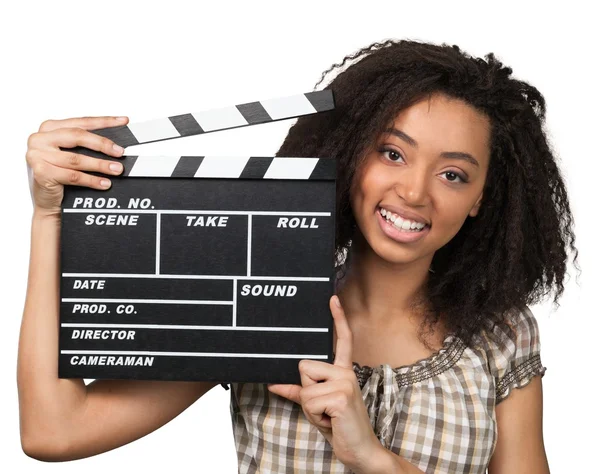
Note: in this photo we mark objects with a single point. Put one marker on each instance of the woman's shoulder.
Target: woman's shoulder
(513, 351)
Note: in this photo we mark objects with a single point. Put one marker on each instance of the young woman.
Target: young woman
(452, 218)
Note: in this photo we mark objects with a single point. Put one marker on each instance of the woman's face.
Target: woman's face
(420, 168)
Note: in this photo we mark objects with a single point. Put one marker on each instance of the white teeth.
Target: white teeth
(399, 222)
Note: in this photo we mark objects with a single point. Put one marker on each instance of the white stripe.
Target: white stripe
(157, 129)
(291, 168)
(154, 166)
(285, 107)
(184, 326)
(121, 300)
(201, 354)
(192, 277)
(157, 253)
(221, 167)
(195, 211)
(234, 318)
(218, 119)
(249, 247)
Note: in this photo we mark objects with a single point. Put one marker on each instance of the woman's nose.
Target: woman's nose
(413, 186)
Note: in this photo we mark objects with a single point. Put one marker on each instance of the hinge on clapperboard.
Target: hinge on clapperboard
(97, 344)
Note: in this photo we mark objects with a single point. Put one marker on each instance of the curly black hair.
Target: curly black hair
(514, 251)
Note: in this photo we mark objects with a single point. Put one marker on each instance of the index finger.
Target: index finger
(87, 123)
(343, 342)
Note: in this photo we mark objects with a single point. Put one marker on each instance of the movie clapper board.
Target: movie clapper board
(207, 268)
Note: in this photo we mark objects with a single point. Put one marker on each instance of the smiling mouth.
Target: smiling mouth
(400, 223)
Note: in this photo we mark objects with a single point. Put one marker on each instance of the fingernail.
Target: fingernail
(117, 148)
(115, 166)
(337, 302)
(105, 183)
(121, 119)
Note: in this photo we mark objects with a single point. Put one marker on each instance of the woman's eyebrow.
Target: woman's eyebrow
(446, 154)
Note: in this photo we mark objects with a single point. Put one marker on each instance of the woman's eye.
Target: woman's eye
(393, 155)
(461, 179)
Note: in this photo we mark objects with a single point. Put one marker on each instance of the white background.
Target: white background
(66, 59)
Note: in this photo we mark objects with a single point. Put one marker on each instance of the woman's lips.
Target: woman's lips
(399, 235)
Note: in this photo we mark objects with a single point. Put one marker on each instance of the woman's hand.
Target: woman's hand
(53, 168)
(336, 406)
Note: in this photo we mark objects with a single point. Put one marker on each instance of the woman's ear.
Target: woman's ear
(475, 208)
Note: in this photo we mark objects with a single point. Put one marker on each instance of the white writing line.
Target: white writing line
(192, 277)
(234, 321)
(157, 255)
(183, 211)
(202, 354)
(185, 326)
(119, 300)
(249, 252)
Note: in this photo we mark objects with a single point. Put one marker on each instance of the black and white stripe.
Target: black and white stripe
(240, 115)
(224, 118)
(239, 167)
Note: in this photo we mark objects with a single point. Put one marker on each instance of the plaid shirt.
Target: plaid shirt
(437, 413)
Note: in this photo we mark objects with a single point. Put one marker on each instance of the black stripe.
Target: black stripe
(325, 169)
(256, 167)
(120, 135)
(254, 112)
(187, 166)
(321, 100)
(128, 163)
(186, 125)
(202, 340)
(221, 369)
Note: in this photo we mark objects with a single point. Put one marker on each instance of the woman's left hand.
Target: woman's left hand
(336, 406)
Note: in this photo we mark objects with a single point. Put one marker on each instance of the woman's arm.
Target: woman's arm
(389, 462)
(520, 445)
(62, 419)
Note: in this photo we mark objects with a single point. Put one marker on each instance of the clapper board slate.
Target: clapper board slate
(200, 267)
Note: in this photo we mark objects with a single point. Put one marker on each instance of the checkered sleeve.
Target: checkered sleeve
(516, 358)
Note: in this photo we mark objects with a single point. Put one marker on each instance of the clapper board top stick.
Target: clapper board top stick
(200, 267)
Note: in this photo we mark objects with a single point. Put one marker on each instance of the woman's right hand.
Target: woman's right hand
(53, 168)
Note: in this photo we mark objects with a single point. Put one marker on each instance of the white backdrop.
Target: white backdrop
(68, 59)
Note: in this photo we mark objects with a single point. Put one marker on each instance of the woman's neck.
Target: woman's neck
(379, 291)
